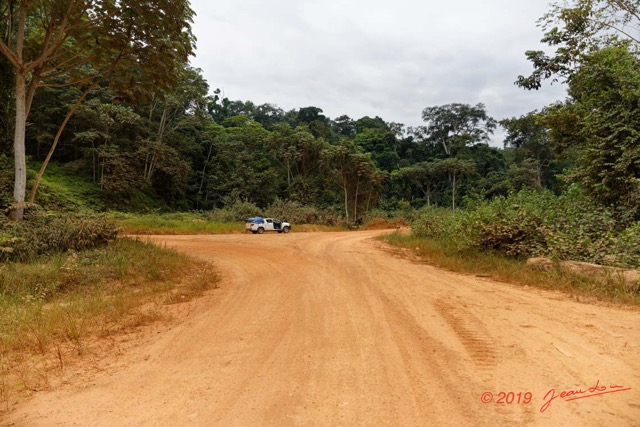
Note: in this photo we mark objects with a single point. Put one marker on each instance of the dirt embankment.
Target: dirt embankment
(334, 329)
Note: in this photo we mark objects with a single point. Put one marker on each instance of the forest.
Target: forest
(130, 118)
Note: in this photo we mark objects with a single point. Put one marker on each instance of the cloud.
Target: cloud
(387, 59)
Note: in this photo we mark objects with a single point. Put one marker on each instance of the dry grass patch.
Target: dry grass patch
(53, 309)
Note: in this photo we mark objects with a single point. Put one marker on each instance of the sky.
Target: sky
(373, 58)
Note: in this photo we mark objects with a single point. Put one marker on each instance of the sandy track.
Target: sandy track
(334, 329)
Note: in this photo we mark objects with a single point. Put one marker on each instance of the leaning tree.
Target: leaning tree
(135, 45)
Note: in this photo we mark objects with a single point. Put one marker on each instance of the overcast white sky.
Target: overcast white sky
(371, 57)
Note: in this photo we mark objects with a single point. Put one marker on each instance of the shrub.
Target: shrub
(294, 212)
(39, 235)
(331, 216)
(533, 223)
(444, 224)
(239, 210)
(625, 249)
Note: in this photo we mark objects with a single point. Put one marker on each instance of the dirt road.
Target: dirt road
(334, 329)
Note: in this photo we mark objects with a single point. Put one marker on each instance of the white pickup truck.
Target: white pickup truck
(259, 225)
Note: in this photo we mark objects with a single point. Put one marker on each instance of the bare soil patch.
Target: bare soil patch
(330, 329)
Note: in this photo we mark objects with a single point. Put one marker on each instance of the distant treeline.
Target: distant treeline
(190, 148)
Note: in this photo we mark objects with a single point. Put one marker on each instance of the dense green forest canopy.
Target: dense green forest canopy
(175, 144)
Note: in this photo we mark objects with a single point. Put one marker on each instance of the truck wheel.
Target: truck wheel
(285, 229)
(260, 230)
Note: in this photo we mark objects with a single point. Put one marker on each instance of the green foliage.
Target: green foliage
(535, 163)
(479, 261)
(65, 188)
(444, 224)
(575, 28)
(176, 223)
(25, 240)
(529, 223)
(6, 179)
(600, 126)
(457, 125)
(295, 212)
(356, 175)
(626, 247)
(237, 211)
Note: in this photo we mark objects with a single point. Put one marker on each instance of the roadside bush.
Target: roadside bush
(290, 211)
(511, 225)
(402, 212)
(331, 216)
(294, 212)
(25, 240)
(625, 249)
(444, 224)
(533, 223)
(240, 210)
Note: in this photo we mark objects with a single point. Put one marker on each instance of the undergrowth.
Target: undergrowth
(173, 223)
(200, 223)
(538, 223)
(41, 234)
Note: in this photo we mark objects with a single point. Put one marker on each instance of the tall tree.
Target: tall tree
(87, 41)
(6, 88)
(454, 169)
(244, 170)
(344, 126)
(166, 113)
(424, 176)
(356, 174)
(382, 144)
(600, 126)
(532, 145)
(317, 122)
(457, 124)
(575, 28)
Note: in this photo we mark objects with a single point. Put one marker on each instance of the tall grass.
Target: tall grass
(53, 307)
(449, 255)
(194, 223)
(176, 223)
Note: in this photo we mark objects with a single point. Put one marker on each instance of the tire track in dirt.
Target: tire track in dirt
(469, 330)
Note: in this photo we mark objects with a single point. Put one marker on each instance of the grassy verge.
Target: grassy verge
(445, 255)
(52, 309)
(177, 223)
(191, 223)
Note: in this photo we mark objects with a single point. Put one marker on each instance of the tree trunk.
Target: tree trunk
(204, 171)
(446, 147)
(20, 160)
(346, 200)
(20, 185)
(355, 203)
(453, 187)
